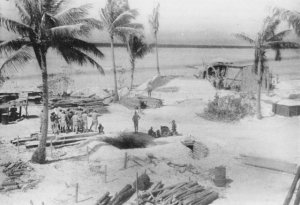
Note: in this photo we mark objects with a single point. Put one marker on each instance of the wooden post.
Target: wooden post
(76, 193)
(137, 190)
(105, 174)
(20, 114)
(51, 148)
(18, 143)
(292, 188)
(43, 203)
(31, 202)
(125, 160)
(87, 152)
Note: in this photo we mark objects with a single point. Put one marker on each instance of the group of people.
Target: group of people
(63, 121)
(163, 132)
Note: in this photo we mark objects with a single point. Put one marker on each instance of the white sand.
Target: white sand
(272, 137)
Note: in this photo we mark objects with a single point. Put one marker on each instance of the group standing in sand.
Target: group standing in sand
(63, 121)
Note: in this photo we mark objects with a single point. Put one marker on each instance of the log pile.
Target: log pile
(56, 141)
(187, 193)
(119, 198)
(14, 171)
(89, 103)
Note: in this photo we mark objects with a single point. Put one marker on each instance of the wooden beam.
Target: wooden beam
(271, 164)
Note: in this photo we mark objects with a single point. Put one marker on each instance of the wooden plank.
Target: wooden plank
(292, 188)
(56, 142)
(271, 164)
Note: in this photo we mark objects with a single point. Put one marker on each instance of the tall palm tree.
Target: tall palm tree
(137, 48)
(266, 38)
(44, 25)
(154, 23)
(117, 21)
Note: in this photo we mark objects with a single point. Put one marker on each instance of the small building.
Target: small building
(288, 108)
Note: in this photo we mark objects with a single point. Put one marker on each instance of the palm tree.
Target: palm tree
(266, 38)
(117, 21)
(154, 22)
(43, 25)
(137, 48)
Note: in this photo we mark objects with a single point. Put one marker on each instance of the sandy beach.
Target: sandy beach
(274, 137)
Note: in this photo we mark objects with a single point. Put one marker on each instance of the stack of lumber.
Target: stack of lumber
(56, 141)
(119, 198)
(14, 170)
(74, 102)
(188, 193)
(133, 102)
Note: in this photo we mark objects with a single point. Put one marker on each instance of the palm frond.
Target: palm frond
(69, 30)
(14, 26)
(10, 46)
(105, 18)
(16, 61)
(279, 36)
(25, 17)
(244, 37)
(292, 17)
(154, 19)
(52, 6)
(72, 55)
(71, 16)
(77, 44)
(125, 17)
(91, 22)
(270, 26)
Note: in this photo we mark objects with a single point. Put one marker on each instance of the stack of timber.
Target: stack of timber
(188, 193)
(15, 170)
(88, 103)
(119, 198)
(56, 141)
(148, 102)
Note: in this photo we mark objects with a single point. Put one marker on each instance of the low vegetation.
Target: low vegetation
(129, 140)
(228, 108)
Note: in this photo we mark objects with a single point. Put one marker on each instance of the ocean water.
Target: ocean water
(176, 61)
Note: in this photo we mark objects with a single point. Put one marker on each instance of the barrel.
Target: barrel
(4, 118)
(220, 176)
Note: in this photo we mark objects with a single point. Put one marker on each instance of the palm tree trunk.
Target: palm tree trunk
(39, 155)
(116, 96)
(259, 82)
(157, 60)
(132, 61)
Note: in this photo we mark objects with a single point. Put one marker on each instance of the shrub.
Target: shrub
(228, 108)
(129, 140)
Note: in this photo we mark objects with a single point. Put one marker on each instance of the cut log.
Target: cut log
(34, 144)
(292, 188)
(123, 197)
(271, 164)
(102, 198)
(67, 145)
(207, 199)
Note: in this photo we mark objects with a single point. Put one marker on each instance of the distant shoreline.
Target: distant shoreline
(179, 46)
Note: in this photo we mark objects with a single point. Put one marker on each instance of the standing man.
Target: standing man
(94, 121)
(75, 122)
(149, 88)
(135, 120)
(85, 121)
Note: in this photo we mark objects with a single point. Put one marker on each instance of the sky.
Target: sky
(200, 22)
